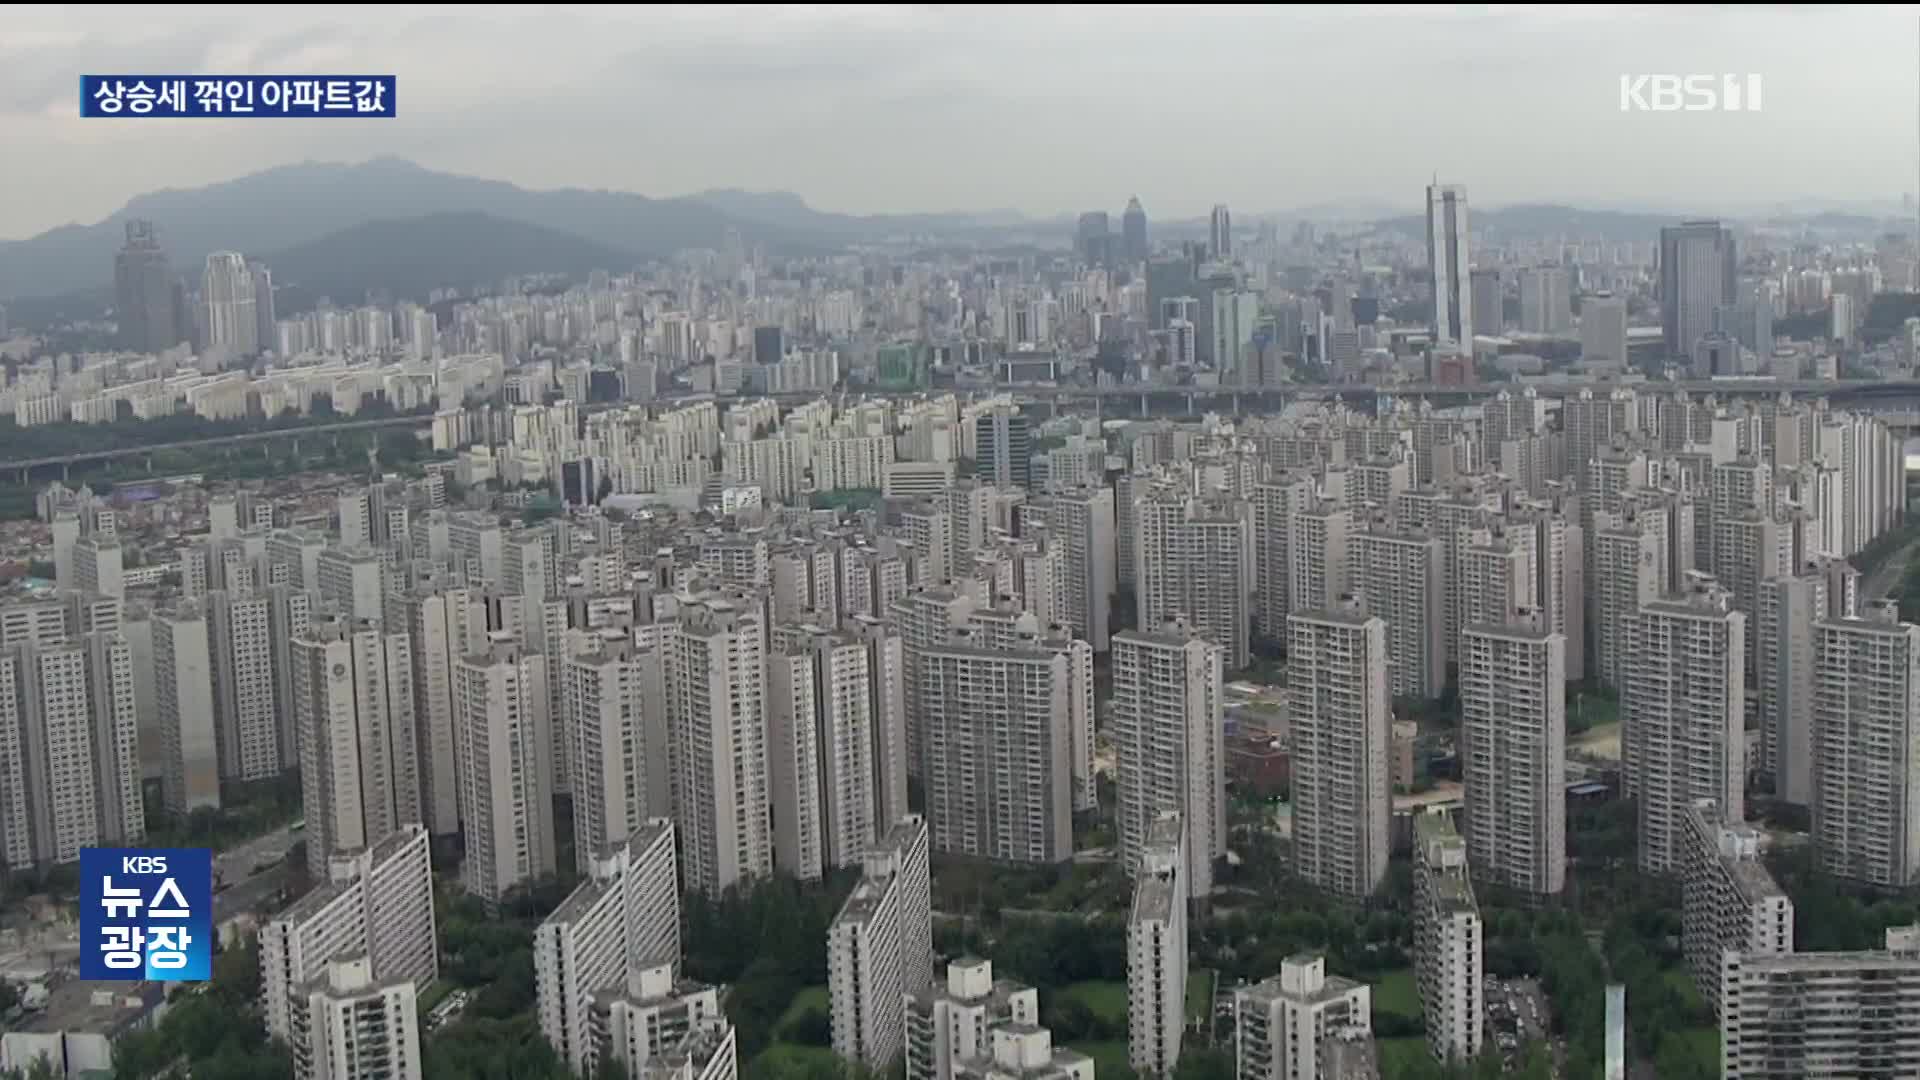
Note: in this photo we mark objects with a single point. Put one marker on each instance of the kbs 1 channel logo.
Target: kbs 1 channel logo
(157, 97)
(146, 913)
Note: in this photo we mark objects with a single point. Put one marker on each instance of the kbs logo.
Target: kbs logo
(1689, 93)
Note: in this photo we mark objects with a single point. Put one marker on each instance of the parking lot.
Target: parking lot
(1516, 1015)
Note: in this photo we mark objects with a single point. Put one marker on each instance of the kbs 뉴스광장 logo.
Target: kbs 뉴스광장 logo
(146, 913)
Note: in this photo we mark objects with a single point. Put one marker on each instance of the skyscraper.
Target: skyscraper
(233, 322)
(1341, 715)
(239, 637)
(263, 315)
(615, 698)
(999, 770)
(1447, 264)
(769, 346)
(183, 681)
(1167, 692)
(1092, 238)
(1603, 330)
(1082, 520)
(1133, 232)
(1003, 451)
(143, 292)
(1698, 275)
(1489, 300)
(1220, 233)
(1544, 303)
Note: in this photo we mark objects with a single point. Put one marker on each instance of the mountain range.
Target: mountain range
(392, 227)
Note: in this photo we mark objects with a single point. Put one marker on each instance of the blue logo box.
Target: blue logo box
(136, 97)
(146, 913)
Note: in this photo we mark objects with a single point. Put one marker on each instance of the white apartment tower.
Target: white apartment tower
(1279, 1022)
(880, 947)
(1730, 903)
(616, 702)
(999, 756)
(716, 717)
(1865, 722)
(1342, 720)
(506, 776)
(952, 1021)
(1513, 741)
(443, 626)
(347, 1025)
(240, 639)
(1167, 693)
(1082, 519)
(1195, 562)
(1822, 1014)
(376, 902)
(1401, 578)
(1447, 940)
(227, 289)
(353, 707)
(624, 917)
(1790, 608)
(183, 684)
(1683, 715)
(1157, 950)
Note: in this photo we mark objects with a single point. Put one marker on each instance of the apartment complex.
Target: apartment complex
(1865, 778)
(1281, 1023)
(1823, 1014)
(1157, 949)
(1730, 903)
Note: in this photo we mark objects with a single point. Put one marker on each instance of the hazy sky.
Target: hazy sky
(1039, 109)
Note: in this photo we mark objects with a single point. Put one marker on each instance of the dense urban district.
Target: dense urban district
(1365, 652)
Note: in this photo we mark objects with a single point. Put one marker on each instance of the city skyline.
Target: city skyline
(783, 74)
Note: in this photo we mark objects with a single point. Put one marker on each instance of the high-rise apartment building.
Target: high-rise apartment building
(1004, 452)
(1865, 720)
(716, 717)
(1273, 505)
(1603, 330)
(624, 917)
(1082, 520)
(616, 702)
(69, 763)
(353, 706)
(1447, 265)
(240, 639)
(1401, 577)
(999, 777)
(1220, 233)
(1825, 1014)
(1195, 562)
(1166, 729)
(880, 947)
(1683, 715)
(1789, 610)
(1280, 1022)
(500, 716)
(951, 1024)
(443, 626)
(345, 1023)
(1319, 553)
(1341, 716)
(376, 902)
(1157, 949)
(183, 684)
(1730, 903)
(1545, 305)
(227, 290)
(1513, 740)
(1448, 963)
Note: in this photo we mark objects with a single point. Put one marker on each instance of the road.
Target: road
(248, 888)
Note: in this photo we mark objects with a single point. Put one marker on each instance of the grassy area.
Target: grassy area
(786, 1059)
(1588, 711)
(1106, 1000)
(1397, 994)
(1109, 1058)
(811, 997)
(1199, 995)
(1403, 1057)
(436, 991)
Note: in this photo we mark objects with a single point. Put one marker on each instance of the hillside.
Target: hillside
(410, 257)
